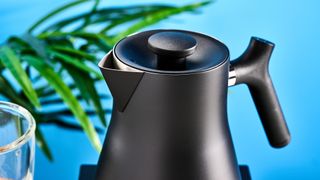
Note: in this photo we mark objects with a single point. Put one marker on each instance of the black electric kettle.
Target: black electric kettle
(169, 120)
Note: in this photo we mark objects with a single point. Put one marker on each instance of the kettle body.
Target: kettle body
(174, 127)
(171, 124)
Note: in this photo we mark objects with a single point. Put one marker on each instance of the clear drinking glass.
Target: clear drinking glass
(17, 129)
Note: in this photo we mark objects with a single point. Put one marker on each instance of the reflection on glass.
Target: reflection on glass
(17, 128)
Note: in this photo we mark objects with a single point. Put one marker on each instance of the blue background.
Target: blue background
(292, 25)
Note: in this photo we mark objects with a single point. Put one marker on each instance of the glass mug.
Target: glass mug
(17, 142)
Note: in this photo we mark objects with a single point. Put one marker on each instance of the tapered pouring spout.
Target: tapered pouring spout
(122, 82)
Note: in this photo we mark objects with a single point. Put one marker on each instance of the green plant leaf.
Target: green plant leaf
(38, 45)
(45, 91)
(78, 40)
(59, 100)
(104, 15)
(78, 64)
(1, 67)
(96, 38)
(12, 62)
(66, 94)
(64, 124)
(55, 12)
(9, 92)
(155, 17)
(41, 142)
(67, 112)
(74, 52)
(146, 10)
(17, 44)
(87, 19)
(87, 89)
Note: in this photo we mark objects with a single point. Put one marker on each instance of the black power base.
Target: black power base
(87, 172)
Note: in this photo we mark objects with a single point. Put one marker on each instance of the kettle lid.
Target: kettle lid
(171, 51)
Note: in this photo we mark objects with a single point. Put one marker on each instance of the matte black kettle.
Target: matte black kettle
(169, 120)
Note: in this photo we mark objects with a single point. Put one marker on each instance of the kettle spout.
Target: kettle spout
(122, 83)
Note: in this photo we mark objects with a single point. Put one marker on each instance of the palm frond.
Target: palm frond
(55, 63)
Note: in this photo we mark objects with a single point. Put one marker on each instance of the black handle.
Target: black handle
(251, 68)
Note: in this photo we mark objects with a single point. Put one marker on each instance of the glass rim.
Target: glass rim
(25, 137)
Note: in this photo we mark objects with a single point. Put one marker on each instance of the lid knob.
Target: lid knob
(172, 44)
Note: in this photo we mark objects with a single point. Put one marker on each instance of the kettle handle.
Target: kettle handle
(251, 68)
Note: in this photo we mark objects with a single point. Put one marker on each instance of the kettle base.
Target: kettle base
(87, 172)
